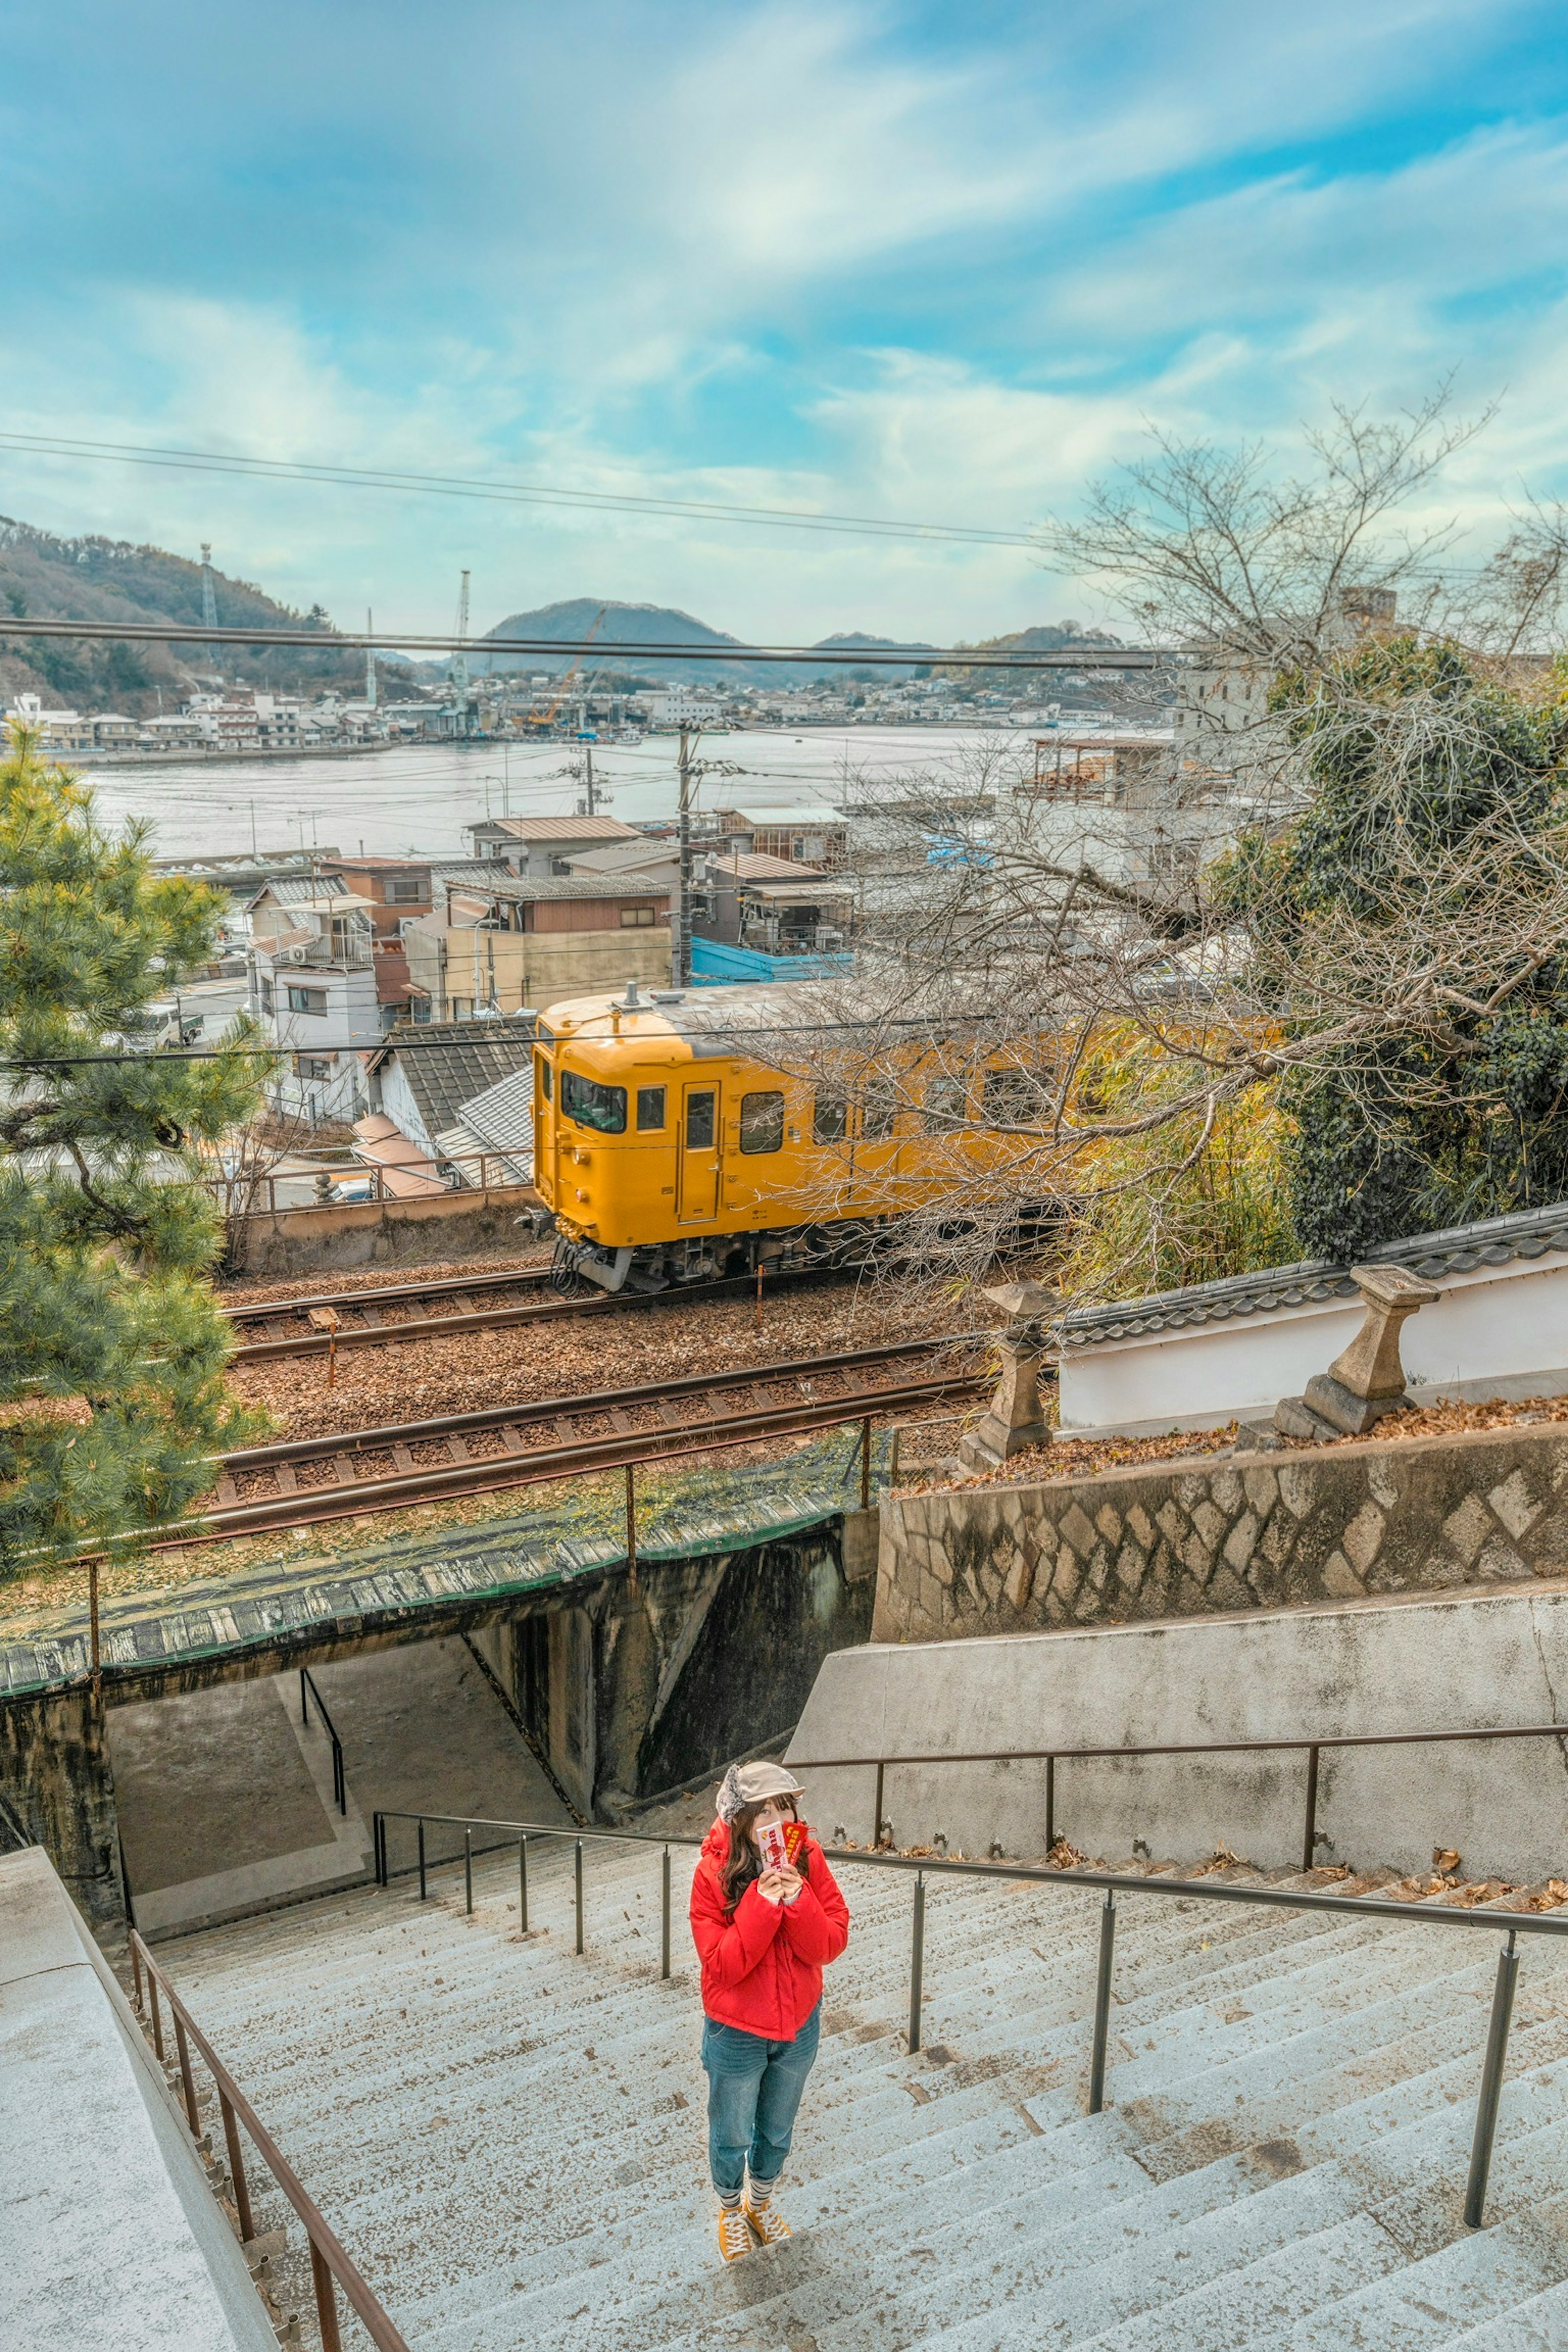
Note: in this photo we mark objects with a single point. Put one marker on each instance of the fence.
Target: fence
(1113, 1881)
(1051, 1757)
(257, 1195)
(330, 2265)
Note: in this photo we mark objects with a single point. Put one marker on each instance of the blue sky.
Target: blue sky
(941, 262)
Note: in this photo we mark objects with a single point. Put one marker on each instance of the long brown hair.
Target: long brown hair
(741, 1864)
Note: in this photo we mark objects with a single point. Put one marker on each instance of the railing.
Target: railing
(330, 2265)
(1115, 1882)
(307, 1691)
(1051, 1757)
(496, 1169)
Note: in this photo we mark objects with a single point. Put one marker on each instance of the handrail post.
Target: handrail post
(157, 2017)
(422, 1860)
(1309, 1837)
(188, 2081)
(877, 1824)
(579, 1894)
(632, 1525)
(469, 1871)
(304, 1699)
(1491, 2082)
(1102, 2004)
(136, 1973)
(340, 1786)
(663, 1916)
(237, 2166)
(523, 1884)
(378, 1851)
(326, 2301)
(1050, 1804)
(916, 1961)
(866, 1463)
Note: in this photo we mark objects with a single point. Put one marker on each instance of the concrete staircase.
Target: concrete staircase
(511, 2139)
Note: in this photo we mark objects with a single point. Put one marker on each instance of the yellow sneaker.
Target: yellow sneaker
(734, 2237)
(768, 2227)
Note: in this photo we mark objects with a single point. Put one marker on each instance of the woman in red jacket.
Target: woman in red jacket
(763, 1936)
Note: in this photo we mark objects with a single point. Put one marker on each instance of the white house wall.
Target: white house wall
(1499, 1331)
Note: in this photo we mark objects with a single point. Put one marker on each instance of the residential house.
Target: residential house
(808, 836)
(741, 898)
(314, 987)
(420, 1079)
(502, 940)
(538, 847)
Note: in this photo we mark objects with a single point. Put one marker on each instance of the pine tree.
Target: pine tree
(105, 1237)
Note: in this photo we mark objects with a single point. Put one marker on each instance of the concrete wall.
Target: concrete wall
(1497, 1331)
(112, 2235)
(1457, 1659)
(1239, 1532)
(279, 1245)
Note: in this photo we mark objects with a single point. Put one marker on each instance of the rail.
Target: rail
(307, 1691)
(1052, 1757)
(331, 2266)
(1114, 1883)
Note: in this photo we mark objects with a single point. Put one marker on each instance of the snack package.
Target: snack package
(781, 1843)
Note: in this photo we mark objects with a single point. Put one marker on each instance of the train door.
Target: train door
(697, 1176)
(546, 1165)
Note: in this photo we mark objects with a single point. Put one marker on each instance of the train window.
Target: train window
(946, 1104)
(650, 1107)
(546, 1078)
(592, 1105)
(828, 1118)
(699, 1121)
(1009, 1098)
(879, 1109)
(761, 1122)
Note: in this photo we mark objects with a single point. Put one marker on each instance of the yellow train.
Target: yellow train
(671, 1146)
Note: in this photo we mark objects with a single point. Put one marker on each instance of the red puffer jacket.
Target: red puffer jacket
(761, 1970)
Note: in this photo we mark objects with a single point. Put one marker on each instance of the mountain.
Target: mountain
(569, 624)
(96, 579)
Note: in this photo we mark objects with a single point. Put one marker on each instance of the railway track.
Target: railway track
(394, 1312)
(302, 1481)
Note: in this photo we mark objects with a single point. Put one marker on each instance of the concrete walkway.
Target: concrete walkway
(225, 1797)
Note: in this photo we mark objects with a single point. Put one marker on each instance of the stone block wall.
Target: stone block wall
(1228, 1533)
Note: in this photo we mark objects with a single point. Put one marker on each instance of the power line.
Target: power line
(170, 633)
(458, 486)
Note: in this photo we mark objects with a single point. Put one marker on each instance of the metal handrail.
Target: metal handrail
(1050, 1756)
(331, 2264)
(1115, 1882)
(307, 1691)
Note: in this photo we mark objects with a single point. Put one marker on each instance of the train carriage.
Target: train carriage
(694, 1133)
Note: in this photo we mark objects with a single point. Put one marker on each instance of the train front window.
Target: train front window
(761, 1122)
(650, 1107)
(588, 1103)
(830, 1119)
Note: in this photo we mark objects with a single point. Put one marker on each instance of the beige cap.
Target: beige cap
(752, 1784)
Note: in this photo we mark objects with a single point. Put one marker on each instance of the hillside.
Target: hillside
(96, 579)
(569, 622)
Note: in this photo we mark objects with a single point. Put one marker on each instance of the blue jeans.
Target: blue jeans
(754, 2090)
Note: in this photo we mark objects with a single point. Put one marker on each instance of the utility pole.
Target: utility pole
(680, 944)
(588, 753)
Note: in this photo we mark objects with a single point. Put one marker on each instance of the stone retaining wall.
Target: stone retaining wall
(1233, 1532)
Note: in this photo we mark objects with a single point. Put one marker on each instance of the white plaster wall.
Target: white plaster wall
(1445, 1662)
(1499, 1331)
(109, 2234)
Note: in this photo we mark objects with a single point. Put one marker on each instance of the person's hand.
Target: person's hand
(771, 1884)
(790, 1883)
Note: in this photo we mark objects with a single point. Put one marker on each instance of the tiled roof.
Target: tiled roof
(544, 830)
(303, 890)
(447, 1063)
(1460, 1249)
